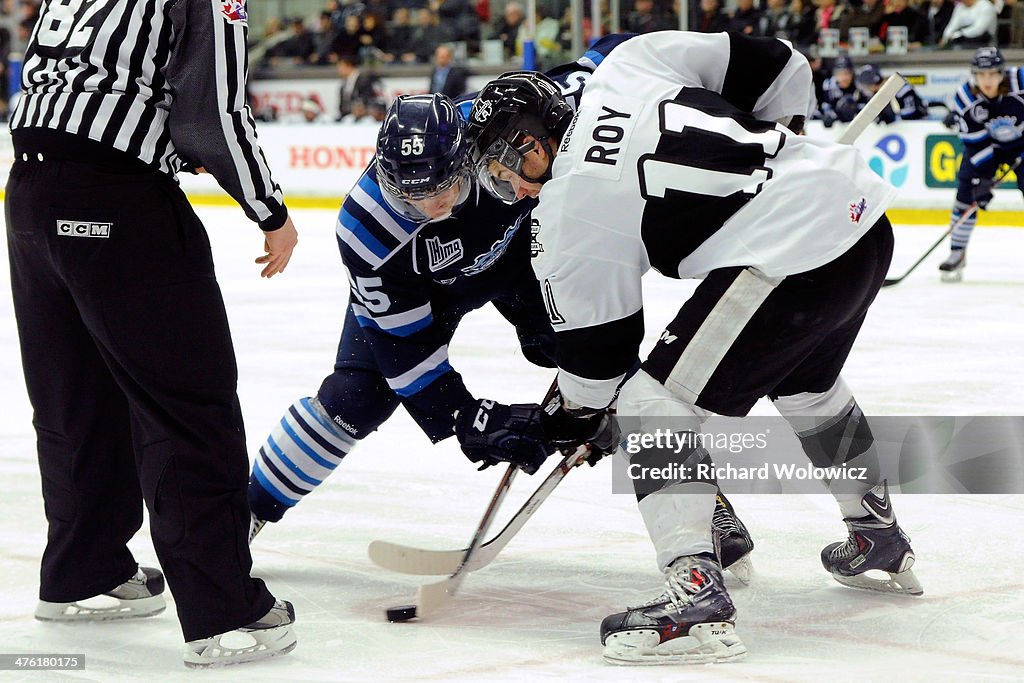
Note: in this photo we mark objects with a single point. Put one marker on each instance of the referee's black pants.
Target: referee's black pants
(132, 378)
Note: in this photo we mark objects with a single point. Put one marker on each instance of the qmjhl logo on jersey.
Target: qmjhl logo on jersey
(857, 210)
(234, 11)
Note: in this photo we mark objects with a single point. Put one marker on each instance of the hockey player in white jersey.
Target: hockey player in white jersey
(676, 161)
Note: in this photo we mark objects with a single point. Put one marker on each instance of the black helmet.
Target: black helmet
(842, 63)
(869, 75)
(516, 104)
(421, 151)
(988, 59)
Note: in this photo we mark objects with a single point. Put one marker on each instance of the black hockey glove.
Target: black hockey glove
(951, 120)
(491, 433)
(981, 188)
(568, 429)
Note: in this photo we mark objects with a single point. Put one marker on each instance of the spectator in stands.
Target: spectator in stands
(447, 78)
(973, 24)
(300, 46)
(507, 30)
(646, 19)
(371, 39)
(805, 15)
(426, 35)
(398, 35)
(355, 85)
(744, 18)
(868, 14)
(711, 18)
(901, 13)
(828, 14)
(777, 21)
(377, 109)
(936, 19)
(460, 21)
(346, 41)
(323, 38)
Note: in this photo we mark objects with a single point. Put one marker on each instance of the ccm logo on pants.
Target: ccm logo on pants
(81, 229)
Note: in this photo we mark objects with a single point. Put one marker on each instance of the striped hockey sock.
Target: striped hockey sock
(962, 234)
(301, 451)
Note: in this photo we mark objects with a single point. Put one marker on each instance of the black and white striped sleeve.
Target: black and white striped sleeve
(210, 123)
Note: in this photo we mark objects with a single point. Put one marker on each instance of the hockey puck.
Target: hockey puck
(401, 613)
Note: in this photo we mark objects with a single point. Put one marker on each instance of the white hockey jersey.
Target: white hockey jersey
(672, 163)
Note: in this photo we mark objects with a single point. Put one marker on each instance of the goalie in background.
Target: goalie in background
(989, 107)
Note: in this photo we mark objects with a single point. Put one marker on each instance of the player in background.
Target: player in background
(911, 106)
(990, 109)
(676, 160)
(838, 94)
(408, 297)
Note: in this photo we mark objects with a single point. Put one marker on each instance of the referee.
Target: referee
(124, 338)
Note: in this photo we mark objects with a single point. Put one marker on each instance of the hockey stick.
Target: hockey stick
(971, 210)
(872, 109)
(432, 596)
(409, 560)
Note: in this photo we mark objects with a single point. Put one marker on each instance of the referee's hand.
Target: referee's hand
(278, 245)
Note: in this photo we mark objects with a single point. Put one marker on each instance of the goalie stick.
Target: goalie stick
(409, 560)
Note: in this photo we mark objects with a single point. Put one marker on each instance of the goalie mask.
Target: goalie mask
(421, 158)
(509, 114)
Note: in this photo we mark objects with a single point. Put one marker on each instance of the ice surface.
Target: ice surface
(927, 348)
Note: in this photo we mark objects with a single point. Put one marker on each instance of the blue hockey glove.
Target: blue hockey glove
(491, 433)
(951, 120)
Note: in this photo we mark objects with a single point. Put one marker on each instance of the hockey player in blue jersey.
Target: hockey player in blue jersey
(990, 108)
(423, 247)
(911, 107)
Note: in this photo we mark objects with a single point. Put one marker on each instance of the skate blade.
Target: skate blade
(100, 609)
(704, 644)
(952, 275)
(219, 651)
(900, 583)
(742, 570)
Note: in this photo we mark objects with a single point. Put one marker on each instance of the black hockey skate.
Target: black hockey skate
(692, 622)
(271, 636)
(876, 543)
(139, 596)
(732, 540)
(952, 269)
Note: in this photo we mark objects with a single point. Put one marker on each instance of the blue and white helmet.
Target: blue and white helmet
(421, 152)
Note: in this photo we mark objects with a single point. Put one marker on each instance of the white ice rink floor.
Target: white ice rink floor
(927, 349)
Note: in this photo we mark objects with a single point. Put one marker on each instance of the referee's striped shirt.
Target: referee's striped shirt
(162, 80)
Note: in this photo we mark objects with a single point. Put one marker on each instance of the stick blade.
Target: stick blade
(406, 559)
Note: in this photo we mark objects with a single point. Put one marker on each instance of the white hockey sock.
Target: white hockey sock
(678, 519)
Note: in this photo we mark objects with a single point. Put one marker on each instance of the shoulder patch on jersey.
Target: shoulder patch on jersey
(234, 11)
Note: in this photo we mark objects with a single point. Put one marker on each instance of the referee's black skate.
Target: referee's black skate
(732, 540)
(271, 636)
(692, 622)
(952, 269)
(877, 545)
(139, 596)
